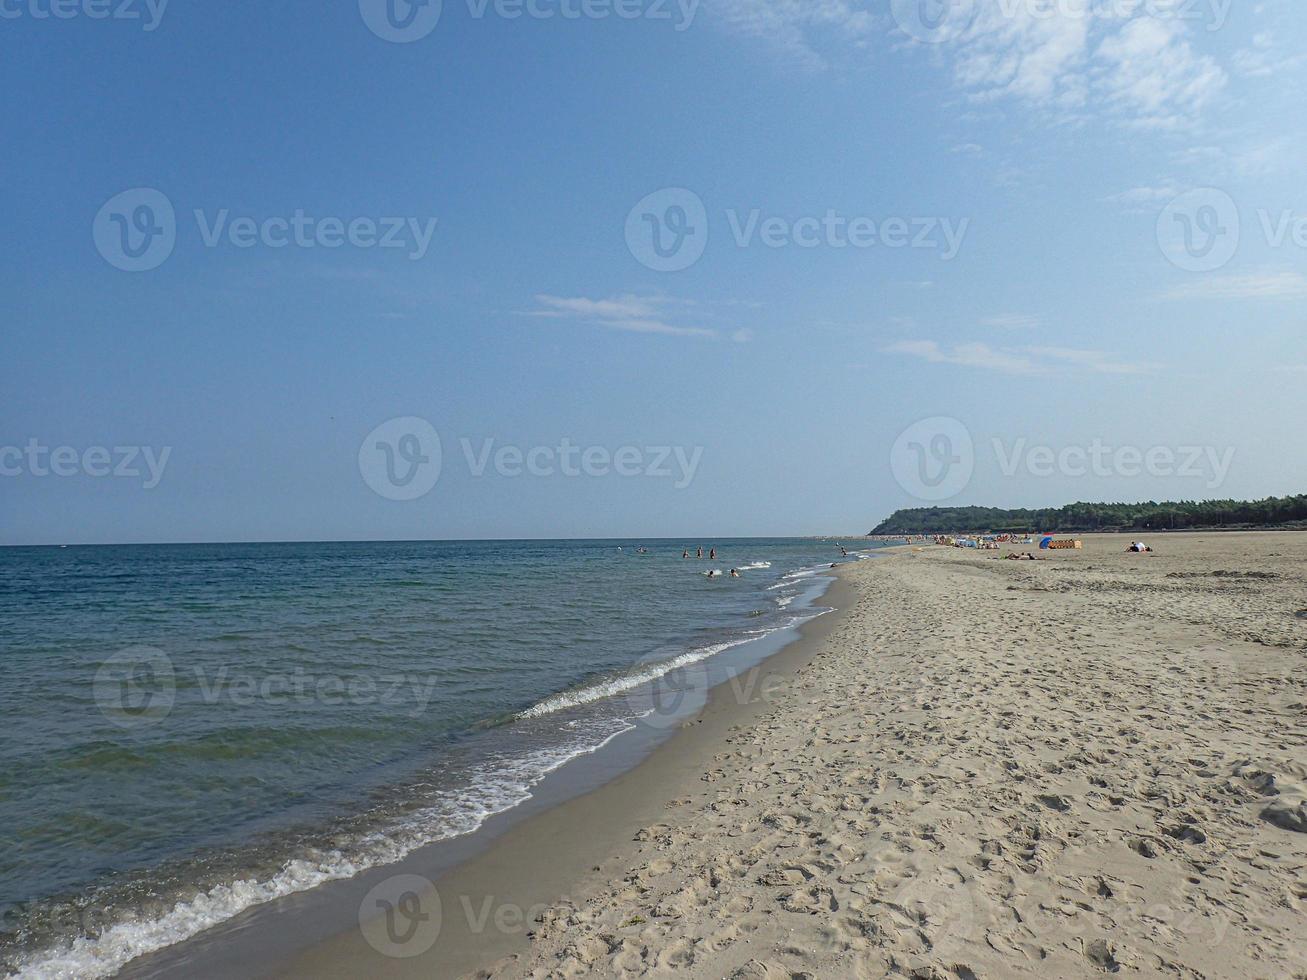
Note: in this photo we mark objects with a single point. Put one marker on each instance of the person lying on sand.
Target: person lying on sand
(1025, 556)
(1139, 548)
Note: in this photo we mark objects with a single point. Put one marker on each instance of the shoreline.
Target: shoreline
(1095, 763)
(276, 938)
(489, 902)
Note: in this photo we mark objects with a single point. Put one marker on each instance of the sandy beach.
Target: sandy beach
(975, 768)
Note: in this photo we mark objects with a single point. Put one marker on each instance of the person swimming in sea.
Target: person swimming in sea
(735, 573)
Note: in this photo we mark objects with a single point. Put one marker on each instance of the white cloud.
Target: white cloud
(1144, 200)
(632, 314)
(1151, 74)
(620, 307)
(1012, 321)
(1092, 360)
(967, 355)
(1271, 285)
(1132, 61)
(1263, 59)
(794, 27)
(1020, 361)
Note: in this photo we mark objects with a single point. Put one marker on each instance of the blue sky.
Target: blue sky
(1019, 176)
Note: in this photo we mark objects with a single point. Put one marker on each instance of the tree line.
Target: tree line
(1084, 517)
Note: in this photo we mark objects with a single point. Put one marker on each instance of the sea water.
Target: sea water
(192, 730)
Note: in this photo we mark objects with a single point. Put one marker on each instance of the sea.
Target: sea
(194, 730)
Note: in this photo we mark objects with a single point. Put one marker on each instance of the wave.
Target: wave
(491, 792)
(643, 674)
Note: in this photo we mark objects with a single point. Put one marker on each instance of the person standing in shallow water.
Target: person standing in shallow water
(699, 553)
(685, 553)
(712, 555)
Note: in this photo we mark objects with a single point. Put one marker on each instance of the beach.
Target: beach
(974, 768)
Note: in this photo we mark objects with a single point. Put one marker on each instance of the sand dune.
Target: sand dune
(1093, 764)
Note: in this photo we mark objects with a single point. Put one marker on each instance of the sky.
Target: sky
(627, 268)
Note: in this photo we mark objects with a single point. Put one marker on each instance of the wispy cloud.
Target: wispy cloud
(794, 28)
(1270, 285)
(1018, 360)
(1146, 199)
(1150, 73)
(1097, 361)
(966, 355)
(1012, 321)
(629, 313)
(1134, 62)
(1263, 58)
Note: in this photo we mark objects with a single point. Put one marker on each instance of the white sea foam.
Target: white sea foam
(627, 682)
(493, 792)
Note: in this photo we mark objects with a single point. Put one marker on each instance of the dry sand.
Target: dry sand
(1090, 764)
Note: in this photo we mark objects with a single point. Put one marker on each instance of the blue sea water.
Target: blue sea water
(195, 729)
